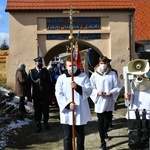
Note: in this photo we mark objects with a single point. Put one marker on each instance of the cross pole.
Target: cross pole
(71, 39)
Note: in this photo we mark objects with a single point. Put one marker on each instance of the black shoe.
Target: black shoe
(46, 126)
(38, 130)
(107, 138)
(38, 127)
(110, 127)
(103, 146)
(22, 110)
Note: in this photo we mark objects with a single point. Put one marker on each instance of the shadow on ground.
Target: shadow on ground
(26, 138)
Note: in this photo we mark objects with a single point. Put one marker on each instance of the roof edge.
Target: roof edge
(106, 9)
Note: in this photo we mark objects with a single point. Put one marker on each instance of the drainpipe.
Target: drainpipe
(130, 35)
(37, 47)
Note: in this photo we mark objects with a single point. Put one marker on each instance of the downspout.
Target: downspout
(130, 35)
(38, 47)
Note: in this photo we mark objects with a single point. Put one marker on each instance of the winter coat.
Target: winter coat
(21, 83)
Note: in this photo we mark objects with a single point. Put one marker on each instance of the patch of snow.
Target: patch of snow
(19, 124)
(5, 91)
(11, 129)
(14, 101)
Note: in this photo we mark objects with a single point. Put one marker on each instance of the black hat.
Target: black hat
(109, 60)
(104, 59)
(38, 59)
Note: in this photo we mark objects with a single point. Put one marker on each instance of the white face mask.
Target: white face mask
(102, 67)
(70, 70)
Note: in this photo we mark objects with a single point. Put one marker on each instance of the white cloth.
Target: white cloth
(139, 100)
(30, 108)
(64, 97)
(105, 83)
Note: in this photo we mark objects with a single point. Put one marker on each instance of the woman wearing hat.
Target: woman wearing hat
(21, 86)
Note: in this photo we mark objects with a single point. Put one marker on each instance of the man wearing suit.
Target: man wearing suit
(40, 92)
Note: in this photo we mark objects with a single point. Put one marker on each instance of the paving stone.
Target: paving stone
(53, 139)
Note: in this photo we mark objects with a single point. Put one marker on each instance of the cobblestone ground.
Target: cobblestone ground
(26, 138)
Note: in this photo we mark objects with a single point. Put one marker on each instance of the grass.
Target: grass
(120, 100)
(3, 72)
(2, 81)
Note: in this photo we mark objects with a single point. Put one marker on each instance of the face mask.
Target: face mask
(103, 66)
(70, 70)
(40, 66)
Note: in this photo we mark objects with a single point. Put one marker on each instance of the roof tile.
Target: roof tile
(142, 19)
(63, 4)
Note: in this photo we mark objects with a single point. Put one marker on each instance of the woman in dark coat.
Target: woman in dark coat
(21, 86)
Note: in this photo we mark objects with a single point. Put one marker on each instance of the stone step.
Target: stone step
(7, 108)
(2, 104)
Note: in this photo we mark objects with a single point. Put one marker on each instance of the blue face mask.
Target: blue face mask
(70, 70)
(148, 74)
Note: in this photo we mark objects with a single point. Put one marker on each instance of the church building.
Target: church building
(42, 28)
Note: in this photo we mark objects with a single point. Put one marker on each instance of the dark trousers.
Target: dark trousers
(21, 103)
(103, 124)
(80, 135)
(41, 107)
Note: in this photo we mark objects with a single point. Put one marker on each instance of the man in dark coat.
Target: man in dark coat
(40, 87)
(21, 86)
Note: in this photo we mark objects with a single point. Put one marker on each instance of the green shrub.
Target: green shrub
(2, 81)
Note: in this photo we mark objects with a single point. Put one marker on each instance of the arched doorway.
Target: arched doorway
(92, 56)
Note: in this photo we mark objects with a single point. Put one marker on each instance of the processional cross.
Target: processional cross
(71, 12)
(71, 39)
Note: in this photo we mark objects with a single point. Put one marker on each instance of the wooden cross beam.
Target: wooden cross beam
(71, 12)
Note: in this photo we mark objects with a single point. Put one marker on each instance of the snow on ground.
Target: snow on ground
(10, 123)
(7, 130)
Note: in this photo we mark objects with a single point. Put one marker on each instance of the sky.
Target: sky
(4, 23)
